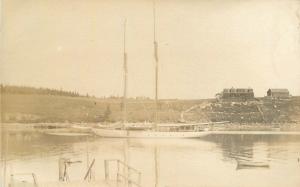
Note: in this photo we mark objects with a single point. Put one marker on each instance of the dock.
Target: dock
(81, 183)
(124, 175)
(72, 184)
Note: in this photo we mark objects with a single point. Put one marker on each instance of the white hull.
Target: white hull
(113, 133)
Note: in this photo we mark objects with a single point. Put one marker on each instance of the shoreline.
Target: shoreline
(229, 128)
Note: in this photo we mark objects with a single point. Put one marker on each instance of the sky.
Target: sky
(203, 46)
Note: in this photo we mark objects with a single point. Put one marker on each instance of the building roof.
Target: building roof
(280, 90)
(237, 90)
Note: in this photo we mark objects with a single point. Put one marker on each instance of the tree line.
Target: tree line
(38, 91)
(11, 89)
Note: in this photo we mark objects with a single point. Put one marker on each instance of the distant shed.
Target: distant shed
(278, 93)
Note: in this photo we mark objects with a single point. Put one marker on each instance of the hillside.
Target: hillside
(49, 108)
(54, 108)
(260, 110)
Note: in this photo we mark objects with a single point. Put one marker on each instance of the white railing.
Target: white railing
(130, 175)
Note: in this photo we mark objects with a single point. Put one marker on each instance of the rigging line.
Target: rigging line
(154, 25)
(156, 63)
(125, 75)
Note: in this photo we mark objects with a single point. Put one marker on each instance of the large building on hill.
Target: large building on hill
(237, 93)
(278, 93)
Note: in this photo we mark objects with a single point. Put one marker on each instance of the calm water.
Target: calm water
(212, 161)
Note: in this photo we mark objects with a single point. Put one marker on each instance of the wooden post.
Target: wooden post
(140, 179)
(156, 152)
(11, 181)
(129, 177)
(106, 168)
(35, 180)
(61, 169)
(89, 171)
(118, 171)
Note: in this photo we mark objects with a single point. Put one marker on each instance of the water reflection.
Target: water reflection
(217, 160)
(31, 145)
(255, 148)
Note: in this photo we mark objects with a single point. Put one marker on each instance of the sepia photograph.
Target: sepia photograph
(150, 93)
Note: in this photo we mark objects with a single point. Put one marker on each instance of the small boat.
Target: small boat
(250, 165)
(67, 134)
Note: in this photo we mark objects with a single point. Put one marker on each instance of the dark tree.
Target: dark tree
(107, 113)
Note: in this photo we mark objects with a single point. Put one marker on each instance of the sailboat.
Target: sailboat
(152, 130)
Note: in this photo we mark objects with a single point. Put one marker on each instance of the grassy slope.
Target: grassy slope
(46, 108)
(41, 108)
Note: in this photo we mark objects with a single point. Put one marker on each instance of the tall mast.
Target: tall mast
(126, 147)
(125, 77)
(156, 93)
(156, 63)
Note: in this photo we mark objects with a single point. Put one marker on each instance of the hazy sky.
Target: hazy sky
(204, 45)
